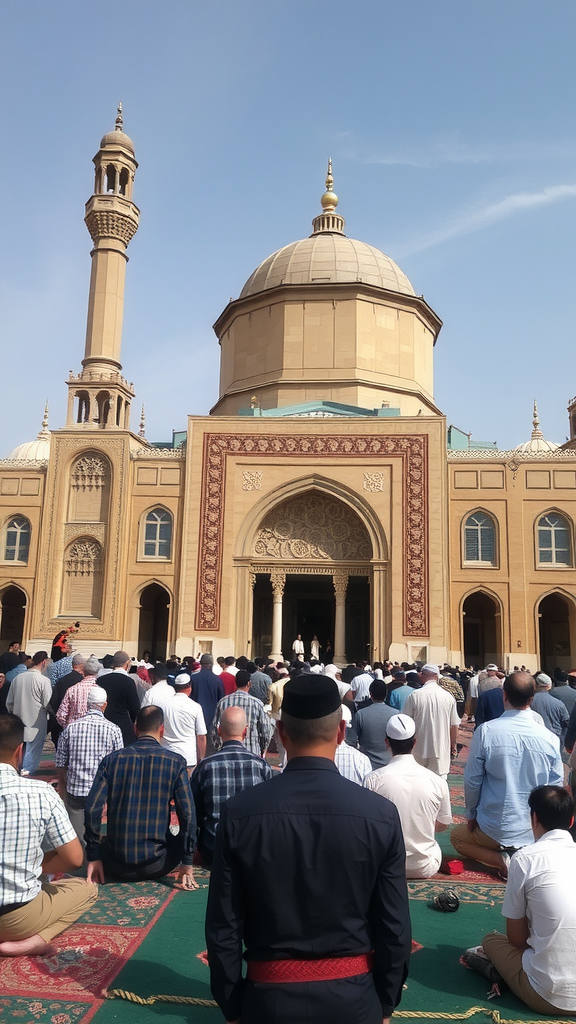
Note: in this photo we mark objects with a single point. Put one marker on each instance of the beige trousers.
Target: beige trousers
(507, 960)
(57, 905)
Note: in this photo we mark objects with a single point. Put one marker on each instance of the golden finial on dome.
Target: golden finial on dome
(329, 200)
(119, 119)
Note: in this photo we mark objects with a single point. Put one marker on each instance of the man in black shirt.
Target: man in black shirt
(308, 874)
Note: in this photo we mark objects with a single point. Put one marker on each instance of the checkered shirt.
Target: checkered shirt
(57, 669)
(352, 763)
(219, 777)
(138, 784)
(260, 726)
(33, 819)
(74, 703)
(82, 746)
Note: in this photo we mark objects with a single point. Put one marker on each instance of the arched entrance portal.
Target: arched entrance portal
(482, 630)
(153, 625)
(311, 572)
(556, 633)
(13, 612)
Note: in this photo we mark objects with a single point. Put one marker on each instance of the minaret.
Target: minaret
(99, 397)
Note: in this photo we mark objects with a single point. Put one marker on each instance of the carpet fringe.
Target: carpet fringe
(494, 1015)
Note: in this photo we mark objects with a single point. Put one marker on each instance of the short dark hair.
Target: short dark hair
(11, 733)
(242, 661)
(39, 657)
(242, 677)
(172, 668)
(149, 719)
(378, 689)
(519, 689)
(229, 660)
(159, 672)
(12, 642)
(259, 662)
(402, 746)
(553, 806)
(312, 730)
(250, 667)
(119, 659)
(560, 676)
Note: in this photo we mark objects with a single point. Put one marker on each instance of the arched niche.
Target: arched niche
(83, 576)
(312, 527)
(90, 480)
(154, 615)
(556, 632)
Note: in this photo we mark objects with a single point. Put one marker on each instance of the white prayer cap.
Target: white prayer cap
(332, 670)
(97, 695)
(182, 680)
(432, 669)
(491, 668)
(400, 727)
(543, 681)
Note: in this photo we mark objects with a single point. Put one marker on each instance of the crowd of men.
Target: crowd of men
(309, 849)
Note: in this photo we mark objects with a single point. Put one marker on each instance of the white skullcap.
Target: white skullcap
(316, 670)
(491, 668)
(182, 680)
(543, 681)
(432, 669)
(332, 670)
(97, 695)
(400, 727)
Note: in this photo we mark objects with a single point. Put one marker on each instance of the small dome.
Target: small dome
(37, 450)
(117, 138)
(537, 443)
(331, 258)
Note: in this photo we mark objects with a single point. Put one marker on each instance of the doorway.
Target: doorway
(481, 629)
(308, 608)
(153, 624)
(13, 613)
(554, 615)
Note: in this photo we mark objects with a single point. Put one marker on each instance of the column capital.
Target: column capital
(278, 581)
(340, 581)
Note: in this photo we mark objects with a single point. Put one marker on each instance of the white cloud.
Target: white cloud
(475, 221)
(455, 152)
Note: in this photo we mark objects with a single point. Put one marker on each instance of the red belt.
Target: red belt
(331, 969)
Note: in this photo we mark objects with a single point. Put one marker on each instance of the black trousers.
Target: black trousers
(115, 871)
(346, 1001)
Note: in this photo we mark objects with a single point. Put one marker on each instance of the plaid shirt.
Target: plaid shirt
(219, 777)
(74, 703)
(32, 819)
(82, 746)
(352, 763)
(260, 727)
(138, 784)
(57, 669)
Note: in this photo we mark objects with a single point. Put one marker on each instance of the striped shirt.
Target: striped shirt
(219, 777)
(74, 703)
(82, 746)
(352, 763)
(138, 783)
(33, 819)
(260, 727)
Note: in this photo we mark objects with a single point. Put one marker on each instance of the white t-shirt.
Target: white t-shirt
(183, 722)
(541, 887)
(422, 798)
(158, 694)
(360, 686)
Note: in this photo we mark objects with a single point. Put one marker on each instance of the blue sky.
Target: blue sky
(451, 129)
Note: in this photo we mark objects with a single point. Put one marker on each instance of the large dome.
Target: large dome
(330, 258)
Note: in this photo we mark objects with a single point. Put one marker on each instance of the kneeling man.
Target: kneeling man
(536, 957)
(138, 784)
(421, 797)
(36, 836)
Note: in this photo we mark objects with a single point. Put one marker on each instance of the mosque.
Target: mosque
(323, 495)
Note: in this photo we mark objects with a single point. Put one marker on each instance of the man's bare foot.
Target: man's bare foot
(35, 945)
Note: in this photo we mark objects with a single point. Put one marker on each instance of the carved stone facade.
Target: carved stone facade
(313, 527)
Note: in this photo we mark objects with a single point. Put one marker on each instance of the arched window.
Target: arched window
(480, 539)
(157, 534)
(17, 543)
(554, 547)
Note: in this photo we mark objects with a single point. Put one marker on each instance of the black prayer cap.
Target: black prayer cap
(106, 661)
(310, 696)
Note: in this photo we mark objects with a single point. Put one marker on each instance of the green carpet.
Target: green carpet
(166, 962)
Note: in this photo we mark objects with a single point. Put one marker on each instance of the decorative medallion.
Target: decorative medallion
(252, 480)
(373, 481)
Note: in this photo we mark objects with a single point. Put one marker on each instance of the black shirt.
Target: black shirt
(123, 705)
(308, 865)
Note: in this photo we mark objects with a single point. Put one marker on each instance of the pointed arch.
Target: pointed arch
(555, 629)
(481, 626)
(554, 540)
(479, 539)
(14, 604)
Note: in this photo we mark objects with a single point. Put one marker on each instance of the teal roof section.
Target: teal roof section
(459, 441)
(317, 409)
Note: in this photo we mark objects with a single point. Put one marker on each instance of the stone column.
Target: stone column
(277, 580)
(340, 580)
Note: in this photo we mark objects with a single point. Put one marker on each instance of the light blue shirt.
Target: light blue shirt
(399, 696)
(508, 758)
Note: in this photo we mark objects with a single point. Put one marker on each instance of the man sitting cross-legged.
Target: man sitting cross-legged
(138, 783)
(536, 957)
(35, 836)
(421, 797)
(223, 774)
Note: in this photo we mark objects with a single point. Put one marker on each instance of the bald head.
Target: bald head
(519, 690)
(232, 724)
